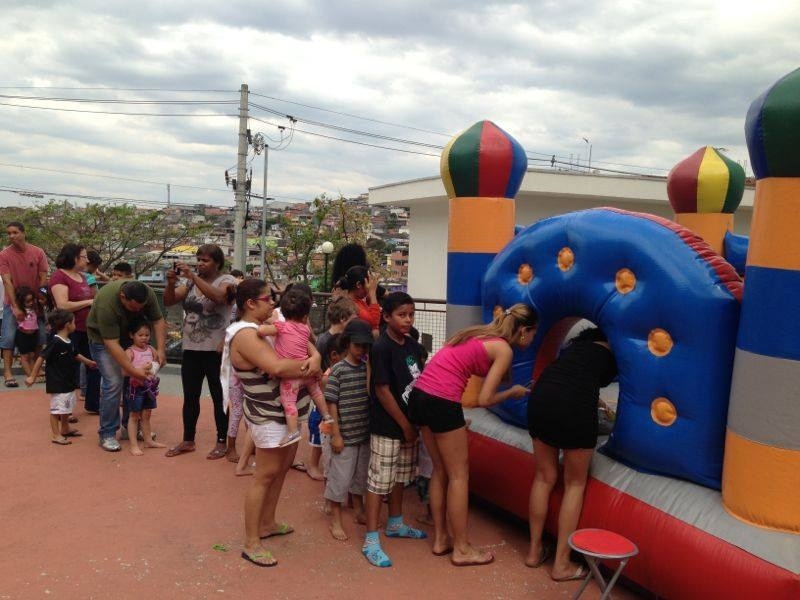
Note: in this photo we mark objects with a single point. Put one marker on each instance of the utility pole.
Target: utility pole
(167, 195)
(264, 217)
(239, 234)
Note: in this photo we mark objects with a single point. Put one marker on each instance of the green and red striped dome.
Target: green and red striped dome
(772, 129)
(483, 161)
(705, 182)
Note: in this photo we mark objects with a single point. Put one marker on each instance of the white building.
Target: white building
(544, 193)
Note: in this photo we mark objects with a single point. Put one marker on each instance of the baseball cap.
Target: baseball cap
(358, 331)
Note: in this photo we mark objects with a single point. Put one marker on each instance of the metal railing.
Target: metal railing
(429, 319)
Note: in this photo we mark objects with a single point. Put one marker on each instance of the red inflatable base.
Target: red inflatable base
(676, 560)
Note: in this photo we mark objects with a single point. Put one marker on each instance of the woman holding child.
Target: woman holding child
(257, 366)
(435, 404)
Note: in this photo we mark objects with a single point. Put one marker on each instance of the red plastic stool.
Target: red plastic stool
(597, 545)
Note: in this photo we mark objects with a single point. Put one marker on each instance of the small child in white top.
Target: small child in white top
(293, 340)
(141, 394)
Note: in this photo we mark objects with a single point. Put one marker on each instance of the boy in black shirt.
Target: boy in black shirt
(60, 376)
(395, 363)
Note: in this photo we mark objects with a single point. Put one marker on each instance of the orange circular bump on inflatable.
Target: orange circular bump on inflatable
(565, 259)
(497, 311)
(525, 274)
(663, 412)
(659, 341)
(625, 281)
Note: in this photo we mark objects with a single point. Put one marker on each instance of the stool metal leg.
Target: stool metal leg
(607, 592)
(592, 569)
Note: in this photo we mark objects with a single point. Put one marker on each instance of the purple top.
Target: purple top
(76, 291)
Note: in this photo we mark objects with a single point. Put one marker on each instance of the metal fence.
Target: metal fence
(429, 320)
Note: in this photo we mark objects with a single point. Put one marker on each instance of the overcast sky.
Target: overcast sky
(647, 83)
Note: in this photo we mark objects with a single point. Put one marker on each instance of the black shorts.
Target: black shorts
(437, 413)
(26, 342)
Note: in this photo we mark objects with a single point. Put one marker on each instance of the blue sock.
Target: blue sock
(396, 528)
(373, 552)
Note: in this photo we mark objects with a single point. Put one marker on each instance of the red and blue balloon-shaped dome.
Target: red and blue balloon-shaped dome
(706, 182)
(772, 129)
(483, 161)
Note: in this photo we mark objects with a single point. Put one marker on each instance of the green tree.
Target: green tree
(338, 221)
(117, 232)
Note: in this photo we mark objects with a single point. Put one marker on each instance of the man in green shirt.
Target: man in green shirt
(107, 326)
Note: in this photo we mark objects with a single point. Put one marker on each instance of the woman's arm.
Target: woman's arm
(173, 295)
(247, 347)
(501, 354)
(217, 294)
(60, 293)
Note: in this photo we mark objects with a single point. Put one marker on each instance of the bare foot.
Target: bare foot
(136, 451)
(538, 555)
(337, 532)
(472, 557)
(360, 518)
(327, 509)
(152, 444)
(315, 473)
(231, 455)
(442, 547)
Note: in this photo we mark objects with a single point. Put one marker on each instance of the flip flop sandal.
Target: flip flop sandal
(179, 449)
(299, 466)
(253, 558)
(282, 529)
(544, 556)
(62, 442)
(72, 420)
(444, 552)
(11, 383)
(216, 454)
(581, 573)
(73, 433)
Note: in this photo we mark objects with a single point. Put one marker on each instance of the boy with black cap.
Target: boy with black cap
(348, 403)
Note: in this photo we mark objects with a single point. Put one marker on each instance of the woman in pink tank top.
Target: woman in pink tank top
(435, 405)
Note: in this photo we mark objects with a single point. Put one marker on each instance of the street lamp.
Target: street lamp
(590, 152)
(327, 249)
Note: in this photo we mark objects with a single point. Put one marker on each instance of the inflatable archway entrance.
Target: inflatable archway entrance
(670, 307)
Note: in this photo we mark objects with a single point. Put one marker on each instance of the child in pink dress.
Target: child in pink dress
(293, 340)
(142, 393)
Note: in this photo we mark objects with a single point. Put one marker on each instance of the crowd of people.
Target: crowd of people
(379, 412)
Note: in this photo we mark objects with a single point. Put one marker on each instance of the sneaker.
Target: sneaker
(290, 439)
(123, 433)
(110, 444)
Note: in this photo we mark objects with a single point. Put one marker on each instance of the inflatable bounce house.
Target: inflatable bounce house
(702, 467)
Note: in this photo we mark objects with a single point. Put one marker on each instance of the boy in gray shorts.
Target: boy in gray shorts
(348, 403)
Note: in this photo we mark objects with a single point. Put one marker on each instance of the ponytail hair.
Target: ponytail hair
(353, 277)
(505, 325)
(247, 289)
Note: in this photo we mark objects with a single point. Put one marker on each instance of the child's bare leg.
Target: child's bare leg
(313, 469)
(243, 466)
(359, 515)
(148, 439)
(133, 420)
(26, 361)
(337, 530)
(63, 421)
(55, 428)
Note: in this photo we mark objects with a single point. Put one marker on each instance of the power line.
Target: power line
(344, 114)
(109, 112)
(112, 89)
(329, 137)
(113, 100)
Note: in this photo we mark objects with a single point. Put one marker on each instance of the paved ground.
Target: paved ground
(78, 522)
